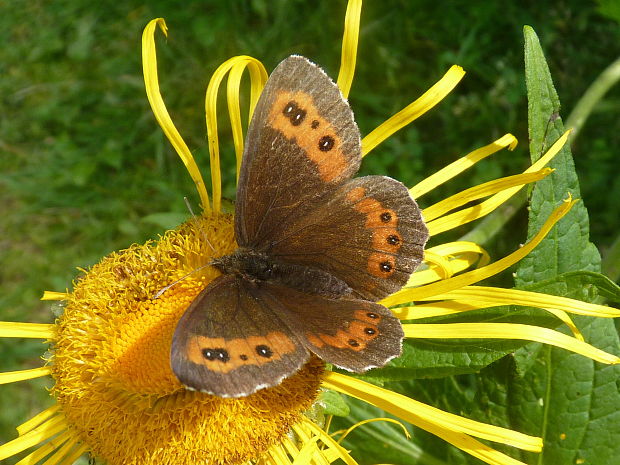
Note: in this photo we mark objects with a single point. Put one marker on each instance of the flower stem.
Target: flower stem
(591, 97)
(611, 261)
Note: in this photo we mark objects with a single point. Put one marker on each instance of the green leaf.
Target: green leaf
(582, 285)
(333, 404)
(569, 400)
(567, 246)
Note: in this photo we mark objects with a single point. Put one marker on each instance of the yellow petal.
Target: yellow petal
(447, 260)
(441, 287)
(413, 411)
(462, 164)
(46, 449)
(457, 248)
(439, 263)
(558, 306)
(258, 77)
(290, 446)
(77, 453)
(61, 453)
(21, 375)
(329, 442)
(151, 82)
(452, 307)
(51, 295)
(443, 308)
(508, 331)
(428, 100)
(235, 66)
(500, 296)
(34, 437)
(307, 452)
(373, 420)
(349, 46)
(37, 419)
(481, 191)
(567, 320)
(467, 215)
(29, 330)
(277, 456)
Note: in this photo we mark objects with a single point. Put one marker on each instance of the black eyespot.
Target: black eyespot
(353, 343)
(374, 316)
(386, 217)
(264, 351)
(370, 331)
(393, 239)
(386, 266)
(326, 143)
(216, 354)
(297, 117)
(243, 357)
(289, 108)
(315, 124)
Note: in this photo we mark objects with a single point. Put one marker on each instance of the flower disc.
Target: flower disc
(112, 369)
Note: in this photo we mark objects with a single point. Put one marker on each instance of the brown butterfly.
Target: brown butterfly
(317, 249)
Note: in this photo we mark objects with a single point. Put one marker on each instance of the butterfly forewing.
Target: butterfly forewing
(302, 144)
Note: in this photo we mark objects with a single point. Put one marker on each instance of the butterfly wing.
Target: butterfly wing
(230, 342)
(369, 233)
(356, 335)
(302, 143)
(296, 201)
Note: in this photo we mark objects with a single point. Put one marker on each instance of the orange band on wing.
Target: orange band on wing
(295, 115)
(386, 239)
(222, 355)
(356, 336)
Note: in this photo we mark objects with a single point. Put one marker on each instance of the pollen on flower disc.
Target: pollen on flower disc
(112, 361)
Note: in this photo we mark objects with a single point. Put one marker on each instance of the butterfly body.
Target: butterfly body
(258, 268)
(317, 249)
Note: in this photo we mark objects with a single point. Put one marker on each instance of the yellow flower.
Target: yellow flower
(116, 396)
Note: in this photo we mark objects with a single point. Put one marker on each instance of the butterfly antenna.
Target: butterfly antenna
(204, 236)
(164, 289)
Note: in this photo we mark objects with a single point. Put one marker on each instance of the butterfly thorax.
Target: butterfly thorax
(257, 267)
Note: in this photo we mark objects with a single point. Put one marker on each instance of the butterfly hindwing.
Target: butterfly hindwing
(352, 334)
(369, 233)
(231, 343)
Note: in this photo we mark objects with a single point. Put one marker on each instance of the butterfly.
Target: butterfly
(317, 249)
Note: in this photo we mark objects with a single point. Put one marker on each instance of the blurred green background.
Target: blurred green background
(85, 170)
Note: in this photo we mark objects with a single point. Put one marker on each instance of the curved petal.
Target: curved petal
(414, 110)
(457, 167)
(234, 67)
(349, 46)
(151, 82)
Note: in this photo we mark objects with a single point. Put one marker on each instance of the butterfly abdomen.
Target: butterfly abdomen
(258, 267)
